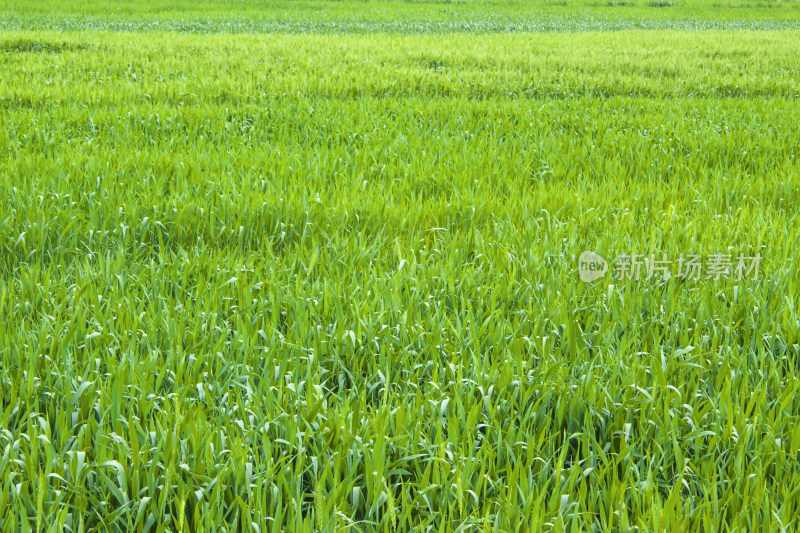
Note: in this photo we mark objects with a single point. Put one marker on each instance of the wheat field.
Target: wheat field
(315, 266)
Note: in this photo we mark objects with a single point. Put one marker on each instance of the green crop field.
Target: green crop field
(321, 266)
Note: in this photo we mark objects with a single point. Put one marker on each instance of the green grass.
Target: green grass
(398, 16)
(278, 282)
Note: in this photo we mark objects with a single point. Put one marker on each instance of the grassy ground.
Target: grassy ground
(422, 16)
(303, 282)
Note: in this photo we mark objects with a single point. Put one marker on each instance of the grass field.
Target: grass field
(397, 16)
(314, 266)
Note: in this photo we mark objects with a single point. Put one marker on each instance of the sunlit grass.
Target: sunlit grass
(397, 16)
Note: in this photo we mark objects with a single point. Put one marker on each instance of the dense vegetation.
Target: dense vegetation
(304, 281)
(397, 16)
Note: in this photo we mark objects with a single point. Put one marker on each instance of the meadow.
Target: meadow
(313, 266)
(397, 16)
